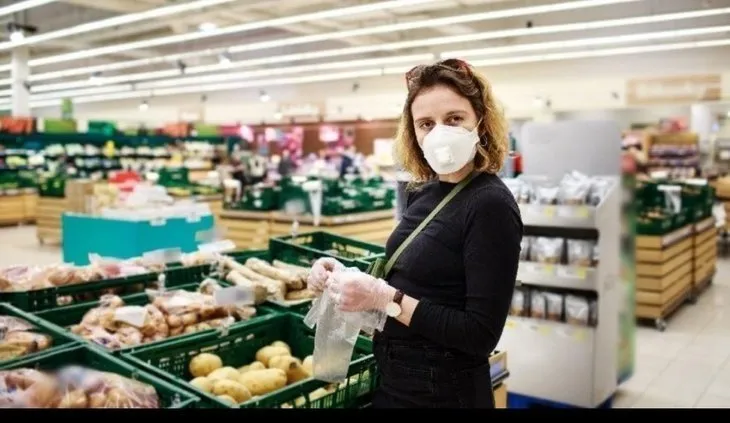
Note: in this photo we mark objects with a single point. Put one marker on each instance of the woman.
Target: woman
(448, 294)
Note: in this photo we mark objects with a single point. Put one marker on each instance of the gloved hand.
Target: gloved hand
(358, 291)
(320, 272)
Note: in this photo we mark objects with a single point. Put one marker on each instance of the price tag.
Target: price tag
(217, 246)
(192, 217)
(234, 295)
(158, 221)
(167, 255)
(582, 212)
(132, 315)
(572, 272)
(544, 330)
(510, 324)
(579, 335)
(548, 211)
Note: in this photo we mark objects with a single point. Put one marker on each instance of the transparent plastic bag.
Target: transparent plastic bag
(336, 334)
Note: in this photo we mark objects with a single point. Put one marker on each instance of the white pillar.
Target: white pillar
(19, 73)
(701, 121)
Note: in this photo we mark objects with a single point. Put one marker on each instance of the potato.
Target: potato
(235, 390)
(227, 399)
(256, 365)
(266, 353)
(204, 364)
(292, 366)
(203, 383)
(260, 382)
(224, 373)
(281, 344)
(308, 365)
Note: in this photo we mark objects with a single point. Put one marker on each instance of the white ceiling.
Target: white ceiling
(201, 57)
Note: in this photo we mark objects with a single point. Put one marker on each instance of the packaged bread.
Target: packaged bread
(547, 250)
(525, 248)
(553, 306)
(19, 338)
(292, 280)
(276, 289)
(580, 252)
(73, 387)
(577, 310)
(537, 305)
(518, 307)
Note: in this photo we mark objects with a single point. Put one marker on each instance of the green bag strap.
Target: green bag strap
(434, 212)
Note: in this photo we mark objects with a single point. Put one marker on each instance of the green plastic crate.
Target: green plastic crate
(60, 338)
(304, 249)
(171, 359)
(51, 298)
(170, 395)
(62, 318)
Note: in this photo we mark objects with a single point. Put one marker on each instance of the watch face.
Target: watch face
(392, 310)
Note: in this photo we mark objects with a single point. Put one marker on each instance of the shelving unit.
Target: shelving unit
(247, 229)
(704, 246)
(17, 206)
(577, 365)
(664, 273)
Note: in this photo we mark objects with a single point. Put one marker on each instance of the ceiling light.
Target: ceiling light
(19, 6)
(352, 50)
(144, 105)
(264, 97)
(16, 36)
(126, 19)
(207, 27)
(249, 26)
(379, 72)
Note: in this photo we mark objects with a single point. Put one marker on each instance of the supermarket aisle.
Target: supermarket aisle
(686, 366)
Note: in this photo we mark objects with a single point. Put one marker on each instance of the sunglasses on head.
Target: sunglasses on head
(456, 65)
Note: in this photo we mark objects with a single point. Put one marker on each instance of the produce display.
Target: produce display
(273, 369)
(574, 189)
(114, 324)
(277, 281)
(19, 338)
(73, 387)
(22, 278)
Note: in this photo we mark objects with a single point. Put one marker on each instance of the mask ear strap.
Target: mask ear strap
(483, 142)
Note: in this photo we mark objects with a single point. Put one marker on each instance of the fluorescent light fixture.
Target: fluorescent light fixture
(19, 6)
(197, 89)
(16, 36)
(429, 42)
(155, 13)
(207, 27)
(233, 29)
(551, 29)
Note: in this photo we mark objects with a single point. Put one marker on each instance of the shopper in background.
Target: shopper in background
(448, 294)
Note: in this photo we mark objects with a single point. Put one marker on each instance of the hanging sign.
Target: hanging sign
(673, 89)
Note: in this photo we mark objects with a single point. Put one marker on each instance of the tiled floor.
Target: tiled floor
(688, 365)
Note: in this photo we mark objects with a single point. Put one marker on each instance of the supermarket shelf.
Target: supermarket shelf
(704, 225)
(558, 276)
(583, 217)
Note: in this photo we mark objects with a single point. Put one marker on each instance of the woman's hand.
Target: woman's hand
(320, 273)
(358, 291)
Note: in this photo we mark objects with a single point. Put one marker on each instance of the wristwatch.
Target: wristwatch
(393, 308)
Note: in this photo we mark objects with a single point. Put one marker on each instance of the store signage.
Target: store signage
(673, 89)
(300, 109)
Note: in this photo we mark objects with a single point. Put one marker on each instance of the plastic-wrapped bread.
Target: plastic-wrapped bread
(291, 280)
(259, 290)
(301, 294)
(301, 272)
(275, 288)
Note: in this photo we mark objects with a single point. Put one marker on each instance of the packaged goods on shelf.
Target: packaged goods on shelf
(119, 323)
(22, 335)
(81, 377)
(563, 305)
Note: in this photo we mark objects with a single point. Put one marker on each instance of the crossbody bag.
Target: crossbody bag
(380, 268)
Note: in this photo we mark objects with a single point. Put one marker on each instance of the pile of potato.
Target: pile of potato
(170, 313)
(273, 369)
(277, 281)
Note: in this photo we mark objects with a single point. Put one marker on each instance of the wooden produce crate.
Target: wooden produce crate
(704, 245)
(500, 396)
(18, 207)
(48, 219)
(373, 227)
(247, 229)
(664, 273)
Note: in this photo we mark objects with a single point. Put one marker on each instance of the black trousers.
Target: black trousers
(420, 375)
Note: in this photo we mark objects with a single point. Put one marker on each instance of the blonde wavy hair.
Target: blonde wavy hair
(464, 80)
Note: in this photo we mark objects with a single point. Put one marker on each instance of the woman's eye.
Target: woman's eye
(455, 120)
(425, 125)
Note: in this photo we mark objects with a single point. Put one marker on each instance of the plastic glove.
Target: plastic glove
(358, 291)
(320, 272)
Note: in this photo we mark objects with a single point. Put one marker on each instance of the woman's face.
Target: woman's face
(442, 105)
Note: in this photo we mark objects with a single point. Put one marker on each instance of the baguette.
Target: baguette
(291, 280)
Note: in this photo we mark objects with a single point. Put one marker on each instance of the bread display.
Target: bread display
(276, 281)
(19, 338)
(73, 387)
(116, 325)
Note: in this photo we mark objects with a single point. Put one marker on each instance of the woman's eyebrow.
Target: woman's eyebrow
(456, 112)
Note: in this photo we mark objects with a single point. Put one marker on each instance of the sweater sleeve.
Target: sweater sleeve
(491, 256)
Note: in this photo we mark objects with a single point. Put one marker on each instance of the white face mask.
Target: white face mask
(447, 149)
